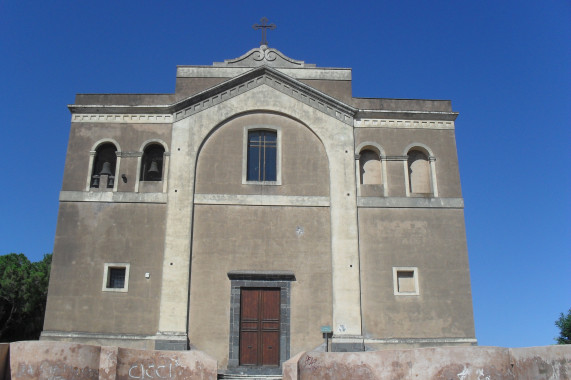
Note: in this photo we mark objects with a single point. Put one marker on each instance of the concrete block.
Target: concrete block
(133, 364)
(59, 360)
(541, 363)
(290, 367)
(108, 363)
(393, 364)
(464, 363)
(53, 360)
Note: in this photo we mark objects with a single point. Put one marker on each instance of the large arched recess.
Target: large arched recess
(304, 168)
(289, 229)
(188, 135)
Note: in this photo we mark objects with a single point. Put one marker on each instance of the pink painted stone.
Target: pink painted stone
(108, 363)
(462, 363)
(141, 364)
(53, 360)
(542, 363)
(290, 370)
(438, 363)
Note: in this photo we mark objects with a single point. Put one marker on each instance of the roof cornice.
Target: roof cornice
(231, 88)
(407, 115)
(254, 78)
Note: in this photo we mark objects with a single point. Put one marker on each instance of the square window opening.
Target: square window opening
(116, 277)
(405, 281)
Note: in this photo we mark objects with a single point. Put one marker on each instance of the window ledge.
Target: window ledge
(265, 183)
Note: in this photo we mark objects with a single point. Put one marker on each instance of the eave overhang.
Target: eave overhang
(406, 115)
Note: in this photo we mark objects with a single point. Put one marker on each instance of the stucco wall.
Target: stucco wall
(338, 89)
(186, 87)
(130, 137)
(90, 234)
(229, 238)
(305, 169)
(394, 141)
(432, 240)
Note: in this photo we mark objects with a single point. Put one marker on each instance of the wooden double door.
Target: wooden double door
(260, 327)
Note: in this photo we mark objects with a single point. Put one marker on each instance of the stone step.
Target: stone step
(249, 377)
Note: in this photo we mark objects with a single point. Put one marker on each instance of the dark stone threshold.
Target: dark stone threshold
(252, 370)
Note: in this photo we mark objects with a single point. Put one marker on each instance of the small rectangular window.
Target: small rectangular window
(405, 281)
(116, 277)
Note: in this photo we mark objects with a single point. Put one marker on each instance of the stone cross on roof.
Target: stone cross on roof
(264, 25)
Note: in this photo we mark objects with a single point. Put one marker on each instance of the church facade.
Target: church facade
(256, 207)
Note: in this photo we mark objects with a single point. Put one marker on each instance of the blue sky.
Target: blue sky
(506, 66)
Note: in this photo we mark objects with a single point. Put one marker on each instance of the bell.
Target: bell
(106, 169)
(154, 169)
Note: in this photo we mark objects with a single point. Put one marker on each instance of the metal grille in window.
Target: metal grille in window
(116, 278)
(262, 147)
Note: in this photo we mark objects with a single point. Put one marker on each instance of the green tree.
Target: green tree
(564, 324)
(23, 294)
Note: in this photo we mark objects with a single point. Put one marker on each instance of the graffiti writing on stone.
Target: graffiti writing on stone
(310, 361)
(53, 370)
(151, 371)
(465, 374)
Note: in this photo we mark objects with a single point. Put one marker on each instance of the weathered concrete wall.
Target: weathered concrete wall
(464, 363)
(51, 360)
(262, 238)
(549, 362)
(394, 141)
(304, 169)
(432, 240)
(129, 137)
(57, 360)
(76, 301)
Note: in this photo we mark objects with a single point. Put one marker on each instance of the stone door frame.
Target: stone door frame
(259, 279)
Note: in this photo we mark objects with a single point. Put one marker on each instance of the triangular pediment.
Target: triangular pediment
(275, 79)
(263, 75)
